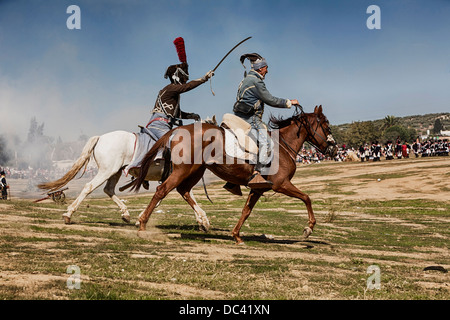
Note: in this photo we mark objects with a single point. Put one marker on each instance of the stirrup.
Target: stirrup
(256, 181)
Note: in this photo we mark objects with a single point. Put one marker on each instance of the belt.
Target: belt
(157, 119)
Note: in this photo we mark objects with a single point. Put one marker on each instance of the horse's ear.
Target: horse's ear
(320, 109)
(315, 109)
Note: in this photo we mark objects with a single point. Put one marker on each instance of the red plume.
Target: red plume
(179, 45)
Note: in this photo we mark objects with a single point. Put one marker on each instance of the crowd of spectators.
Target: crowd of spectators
(432, 148)
(397, 150)
(375, 151)
(307, 156)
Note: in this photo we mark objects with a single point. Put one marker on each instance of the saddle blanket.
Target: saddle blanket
(234, 149)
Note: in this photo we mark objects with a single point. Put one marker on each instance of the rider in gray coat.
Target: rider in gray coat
(251, 97)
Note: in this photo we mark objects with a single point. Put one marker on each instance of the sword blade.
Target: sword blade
(230, 52)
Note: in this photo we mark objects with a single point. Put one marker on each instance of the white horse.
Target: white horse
(112, 152)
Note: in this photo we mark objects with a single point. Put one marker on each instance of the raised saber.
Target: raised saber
(230, 52)
(210, 83)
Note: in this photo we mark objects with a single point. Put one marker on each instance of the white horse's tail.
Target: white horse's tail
(82, 161)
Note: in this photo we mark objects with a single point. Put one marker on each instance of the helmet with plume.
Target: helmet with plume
(178, 73)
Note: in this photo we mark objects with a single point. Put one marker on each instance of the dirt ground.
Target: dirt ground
(423, 180)
(413, 179)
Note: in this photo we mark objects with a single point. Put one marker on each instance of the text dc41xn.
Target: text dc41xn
(226, 309)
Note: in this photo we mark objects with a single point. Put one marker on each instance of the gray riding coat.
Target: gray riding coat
(252, 95)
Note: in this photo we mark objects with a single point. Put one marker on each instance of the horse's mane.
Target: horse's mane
(280, 122)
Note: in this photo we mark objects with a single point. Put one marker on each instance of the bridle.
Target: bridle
(313, 133)
(310, 130)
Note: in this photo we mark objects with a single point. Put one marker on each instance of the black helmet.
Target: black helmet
(178, 73)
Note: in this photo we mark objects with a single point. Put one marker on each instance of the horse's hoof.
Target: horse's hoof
(140, 226)
(66, 220)
(204, 228)
(126, 218)
(307, 232)
(238, 240)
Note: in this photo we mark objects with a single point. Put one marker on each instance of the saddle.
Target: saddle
(238, 144)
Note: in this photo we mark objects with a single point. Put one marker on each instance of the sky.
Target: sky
(106, 75)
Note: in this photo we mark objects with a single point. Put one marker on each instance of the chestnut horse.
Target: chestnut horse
(293, 132)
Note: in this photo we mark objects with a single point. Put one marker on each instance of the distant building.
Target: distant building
(445, 133)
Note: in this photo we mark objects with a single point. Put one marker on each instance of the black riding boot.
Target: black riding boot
(233, 188)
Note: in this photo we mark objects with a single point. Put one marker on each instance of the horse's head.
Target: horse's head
(319, 132)
(315, 125)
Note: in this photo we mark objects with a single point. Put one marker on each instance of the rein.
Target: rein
(310, 131)
(289, 148)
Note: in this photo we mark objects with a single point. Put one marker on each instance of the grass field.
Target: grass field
(401, 224)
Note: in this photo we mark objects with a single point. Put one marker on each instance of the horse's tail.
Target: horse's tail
(149, 158)
(82, 161)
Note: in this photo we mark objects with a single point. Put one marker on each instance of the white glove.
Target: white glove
(208, 75)
(288, 104)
